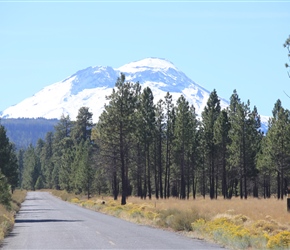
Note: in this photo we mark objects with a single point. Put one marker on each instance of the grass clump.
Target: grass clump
(177, 220)
(269, 227)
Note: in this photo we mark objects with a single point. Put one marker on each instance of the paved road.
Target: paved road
(46, 222)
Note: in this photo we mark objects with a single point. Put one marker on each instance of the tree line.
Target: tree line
(25, 131)
(144, 148)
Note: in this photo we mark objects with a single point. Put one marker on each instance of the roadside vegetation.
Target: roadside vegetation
(8, 212)
(235, 224)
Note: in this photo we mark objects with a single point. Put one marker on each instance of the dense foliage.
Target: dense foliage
(8, 168)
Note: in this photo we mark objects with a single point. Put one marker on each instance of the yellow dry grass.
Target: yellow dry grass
(255, 209)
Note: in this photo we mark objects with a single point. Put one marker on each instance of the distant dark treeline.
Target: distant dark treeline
(25, 131)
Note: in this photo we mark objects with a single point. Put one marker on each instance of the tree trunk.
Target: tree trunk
(278, 185)
(156, 172)
(123, 167)
(160, 172)
(149, 174)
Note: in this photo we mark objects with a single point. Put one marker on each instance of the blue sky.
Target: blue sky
(222, 45)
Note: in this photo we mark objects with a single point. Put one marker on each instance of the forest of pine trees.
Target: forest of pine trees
(157, 149)
(162, 149)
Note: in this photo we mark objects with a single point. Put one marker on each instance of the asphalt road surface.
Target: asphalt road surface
(46, 222)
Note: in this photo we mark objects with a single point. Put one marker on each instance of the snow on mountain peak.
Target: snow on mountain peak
(92, 77)
(151, 63)
(90, 86)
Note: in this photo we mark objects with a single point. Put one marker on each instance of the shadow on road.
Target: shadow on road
(36, 210)
(44, 220)
(34, 199)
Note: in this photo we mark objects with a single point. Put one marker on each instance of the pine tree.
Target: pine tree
(118, 119)
(66, 173)
(83, 125)
(159, 135)
(182, 142)
(244, 143)
(264, 166)
(47, 160)
(279, 137)
(85, 171)
(254, 138)
(62, 132)
(40, 155)
(148, 127)
(221, 140)
(20, 157)
(106, 139)
(169, 116)
(31, 168)
(139, 174)
(209, 117)
(63, 128)
(193, 152)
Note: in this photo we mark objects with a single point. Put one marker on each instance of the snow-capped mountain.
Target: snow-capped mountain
(90, 86)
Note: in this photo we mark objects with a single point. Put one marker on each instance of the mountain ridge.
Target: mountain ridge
(89, 87)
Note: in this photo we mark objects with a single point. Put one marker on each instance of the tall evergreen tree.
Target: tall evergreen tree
(66, 173)
(182, 143)
(20, 158)
(244, 142)
(264, 166)
(159, 135)
(169, 116)
(193, 152)
(83, 125)
(31, 168)
(148, 127)
(254, 138)
(62, 132)
(221, 137)
(107, 140)
(119, 121)
(209, 117)
(279, 137)
(47, 159)
(85, 171)
(40, 183)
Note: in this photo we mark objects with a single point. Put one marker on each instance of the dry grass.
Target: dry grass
(255, 209)
(7, 216)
